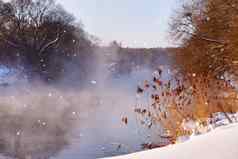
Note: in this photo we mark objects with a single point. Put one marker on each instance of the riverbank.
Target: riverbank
(220, 143)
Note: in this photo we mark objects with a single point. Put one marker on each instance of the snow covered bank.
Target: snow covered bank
(222, 143)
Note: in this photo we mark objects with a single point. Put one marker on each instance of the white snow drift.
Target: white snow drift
(221, 143)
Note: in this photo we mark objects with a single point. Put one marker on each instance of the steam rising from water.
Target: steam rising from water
(39, 121)
(35, 122)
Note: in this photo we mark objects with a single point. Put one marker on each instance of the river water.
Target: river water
(41, 122)
(101, 132)
(48, 122)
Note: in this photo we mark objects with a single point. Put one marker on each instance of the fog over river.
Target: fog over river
(39, 121)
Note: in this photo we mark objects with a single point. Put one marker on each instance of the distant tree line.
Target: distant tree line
(127, 60)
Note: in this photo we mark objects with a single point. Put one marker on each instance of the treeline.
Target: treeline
(41, 36)
(50, 44)
(127, 60)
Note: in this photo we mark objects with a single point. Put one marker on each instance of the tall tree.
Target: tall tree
(39, 33)
(208, 31)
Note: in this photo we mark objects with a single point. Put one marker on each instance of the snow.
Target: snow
(221, 143)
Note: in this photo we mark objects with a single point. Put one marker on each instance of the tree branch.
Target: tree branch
(51, 43)
(202, 37)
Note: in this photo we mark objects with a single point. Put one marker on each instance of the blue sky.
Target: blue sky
(135, 23)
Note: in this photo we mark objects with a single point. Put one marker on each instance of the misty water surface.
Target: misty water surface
(39, 121)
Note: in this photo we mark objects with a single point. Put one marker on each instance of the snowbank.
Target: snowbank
(221, 143)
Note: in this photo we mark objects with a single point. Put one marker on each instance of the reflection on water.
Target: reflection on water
(35, 125)
(101, 132)
(48, 123)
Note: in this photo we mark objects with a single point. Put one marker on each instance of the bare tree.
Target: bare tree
(207, 33)
(35, 31)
